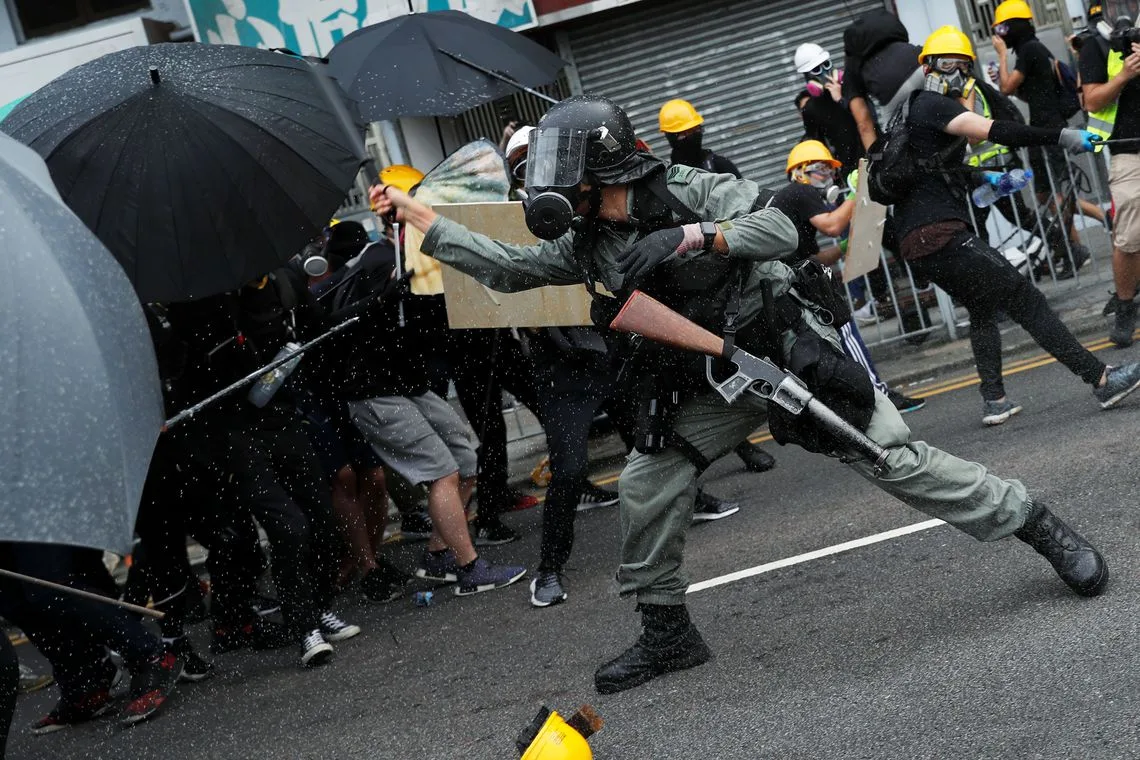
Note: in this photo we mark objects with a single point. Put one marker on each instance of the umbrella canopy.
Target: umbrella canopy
(201, 167)
(401, 67)
(81, 407)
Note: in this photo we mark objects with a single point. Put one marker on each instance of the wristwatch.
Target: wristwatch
(709, 230)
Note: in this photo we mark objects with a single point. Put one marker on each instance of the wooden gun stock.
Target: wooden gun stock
(646, 316)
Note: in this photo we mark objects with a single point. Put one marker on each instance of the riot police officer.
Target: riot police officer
(609, 213)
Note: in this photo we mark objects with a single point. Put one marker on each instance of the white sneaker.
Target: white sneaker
(335, 629)
(315, 650)
(865, 315)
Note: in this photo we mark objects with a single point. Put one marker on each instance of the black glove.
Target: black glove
(641, 258)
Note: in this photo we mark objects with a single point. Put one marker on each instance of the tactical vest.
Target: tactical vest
(1101, 122)
(986, 153)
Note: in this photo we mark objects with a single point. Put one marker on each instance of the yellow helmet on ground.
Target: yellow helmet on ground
(947, 40)
(557, 740)
(678, 116)
(401, 176)
(809, 152)
(1012, 9)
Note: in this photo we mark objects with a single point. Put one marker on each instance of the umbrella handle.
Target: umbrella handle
(399, 267)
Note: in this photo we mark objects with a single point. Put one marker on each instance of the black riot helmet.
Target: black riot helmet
(586, 139)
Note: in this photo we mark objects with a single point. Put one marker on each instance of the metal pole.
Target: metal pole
(399, 266)
(500, 77)
(81, 593)
(191, 411)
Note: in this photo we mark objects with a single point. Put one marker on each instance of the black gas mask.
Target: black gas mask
(555, 171)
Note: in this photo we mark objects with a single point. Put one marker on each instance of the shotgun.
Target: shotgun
(649, 318)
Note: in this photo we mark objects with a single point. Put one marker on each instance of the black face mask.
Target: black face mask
(687, 150)
(1020, 30)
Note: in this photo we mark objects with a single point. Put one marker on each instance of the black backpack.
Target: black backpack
(893, 167)
(1068, 94)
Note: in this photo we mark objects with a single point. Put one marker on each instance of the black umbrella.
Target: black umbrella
(201, 167)
(437, 64)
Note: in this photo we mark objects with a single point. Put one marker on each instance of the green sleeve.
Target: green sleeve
(502, 266)
(762, 235)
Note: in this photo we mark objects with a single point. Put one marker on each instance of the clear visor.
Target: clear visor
(556, 158)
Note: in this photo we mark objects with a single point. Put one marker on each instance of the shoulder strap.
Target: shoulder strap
(657, 185)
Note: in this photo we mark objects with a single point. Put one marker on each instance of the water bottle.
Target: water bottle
(1007, 183)
(269, 383)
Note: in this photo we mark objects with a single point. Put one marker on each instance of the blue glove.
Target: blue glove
(1078, 140)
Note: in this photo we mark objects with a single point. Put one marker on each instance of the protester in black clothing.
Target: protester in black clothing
(683, 127)
(1111, 86)
(937, 238)
(882, 70)
(823, 109)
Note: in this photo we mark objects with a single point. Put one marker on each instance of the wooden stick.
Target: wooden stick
(648, 317)
(84, 594)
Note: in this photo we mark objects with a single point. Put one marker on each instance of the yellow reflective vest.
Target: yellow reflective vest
(1101, 122)
(985, 153)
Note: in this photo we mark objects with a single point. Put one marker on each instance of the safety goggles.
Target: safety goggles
(821, 69)
(1001, 30)
(951, 65)
(820, 168)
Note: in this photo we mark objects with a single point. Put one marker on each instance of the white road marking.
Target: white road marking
(809, 556)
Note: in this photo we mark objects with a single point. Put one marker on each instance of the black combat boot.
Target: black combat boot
(669, 641)
(1124, 324)
(1076, 560)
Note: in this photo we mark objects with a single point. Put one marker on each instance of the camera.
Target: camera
(1123, 36)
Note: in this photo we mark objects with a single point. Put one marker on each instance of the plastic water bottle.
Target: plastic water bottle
(269, 383)
(1009, 183)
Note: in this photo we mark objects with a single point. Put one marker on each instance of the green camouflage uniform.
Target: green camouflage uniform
(658, 490)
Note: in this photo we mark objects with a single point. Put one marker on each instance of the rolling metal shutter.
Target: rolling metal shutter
(731, 58)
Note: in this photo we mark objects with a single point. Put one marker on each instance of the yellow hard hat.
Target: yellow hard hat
(810, 151)
(678, 116)
(1012, 9)
(947, 40)
(557, 740)
(401, 176)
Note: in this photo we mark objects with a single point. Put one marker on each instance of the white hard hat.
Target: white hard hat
(810, 55)
(518, 140)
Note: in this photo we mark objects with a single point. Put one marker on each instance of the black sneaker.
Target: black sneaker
(415, 526)
(1081, 256)
(385, 583)
(1123, 324)
(905, 403)
(755, 458)
(1119, 383)
(709, 507)
(593, 497)
(194, 668)
(258, 634)
(493, 533)
(335, 629)
(151, 686)
(315, 650)
(64, 714)
(265, 605)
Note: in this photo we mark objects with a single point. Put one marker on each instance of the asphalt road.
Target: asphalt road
(928, 645)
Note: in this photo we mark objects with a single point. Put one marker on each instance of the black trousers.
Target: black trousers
(9, 688)
(279, 475)
(981, 279)
(187, 492)
(484, 363)
(71, 632)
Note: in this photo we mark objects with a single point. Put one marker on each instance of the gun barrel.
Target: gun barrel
(648, 317)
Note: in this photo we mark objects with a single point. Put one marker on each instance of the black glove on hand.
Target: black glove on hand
(641, 258)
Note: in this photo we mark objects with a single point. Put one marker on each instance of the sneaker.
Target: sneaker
(865, 315)
(415, 526)
(483, 576)
(32, 681)
(258, 634)
(593, 497)
(266, 605)
(997, 412)
(755, 458)
(438, 567)
(520, 501)
(151, 686)
(709, 507)
(493, 533)
(385, 583)
(905, 403)
(335, 629)
(65, 713)
(1123, 324)
(315, 650)
(194, 668)
(1081, 256)
(1120, 382)
(546, 590)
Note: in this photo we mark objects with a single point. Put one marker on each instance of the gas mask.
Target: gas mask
(313, 260)
(555, 168)
(950, 76)
(816, 78)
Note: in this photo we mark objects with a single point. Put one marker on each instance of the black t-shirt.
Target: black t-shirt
(1094, 70)
(935, 197)
(1040, 88)
(832, 124)
(800, 203)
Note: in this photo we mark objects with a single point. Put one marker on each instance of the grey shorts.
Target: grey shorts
(420, 437)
